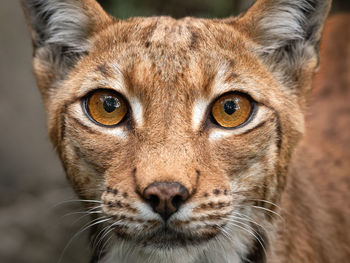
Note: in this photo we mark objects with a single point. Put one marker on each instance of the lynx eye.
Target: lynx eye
(232, 110)
(106, 107)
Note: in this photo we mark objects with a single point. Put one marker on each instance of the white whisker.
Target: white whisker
(77, 201)
(251, 233)
(105, 245)
(248, 219)
(267, 202)
(103, 233)
(90, 211)
(263, 209)
(85, 227)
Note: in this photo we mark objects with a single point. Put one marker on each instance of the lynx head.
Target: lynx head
(181, 129)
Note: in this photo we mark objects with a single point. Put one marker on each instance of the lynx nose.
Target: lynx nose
(165, 198)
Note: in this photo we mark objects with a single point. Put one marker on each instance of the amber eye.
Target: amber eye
(106, 107)
(232, 110)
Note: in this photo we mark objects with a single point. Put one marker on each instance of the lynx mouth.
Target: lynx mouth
(167, 238)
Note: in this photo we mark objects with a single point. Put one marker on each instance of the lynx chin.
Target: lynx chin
(186, 137)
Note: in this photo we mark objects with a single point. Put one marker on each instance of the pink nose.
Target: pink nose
(165, 198)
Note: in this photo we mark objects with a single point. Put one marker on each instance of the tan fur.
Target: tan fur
(166, 67)
(316, 200)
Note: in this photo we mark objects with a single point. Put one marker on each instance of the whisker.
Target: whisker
(268, 210)
(248, 219)
(83, 216)
(251, 233)
(262, 208)
(105, 245)
(85, 227)
(223, 231)
(246, 225)
(76, 201)
(91, 210)
(86, 213)
(267, 202)
(102, 234)
(106, 233)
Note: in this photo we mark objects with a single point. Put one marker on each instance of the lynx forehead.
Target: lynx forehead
(182, 131)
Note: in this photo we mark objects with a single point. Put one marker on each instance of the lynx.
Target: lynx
(187, 137)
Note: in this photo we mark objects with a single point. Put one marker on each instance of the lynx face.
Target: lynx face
(182, 129)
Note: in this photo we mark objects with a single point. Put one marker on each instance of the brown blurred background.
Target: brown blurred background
(33, 227)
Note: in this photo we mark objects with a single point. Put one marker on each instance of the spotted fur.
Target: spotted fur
(253, 196)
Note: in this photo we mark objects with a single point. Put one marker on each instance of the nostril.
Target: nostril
(177, 201)
(153, 201)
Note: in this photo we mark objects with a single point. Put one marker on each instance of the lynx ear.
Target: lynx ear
(287, 32)
(61, 31)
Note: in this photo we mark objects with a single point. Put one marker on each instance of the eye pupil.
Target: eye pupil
(230, 107)
(110, 104)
